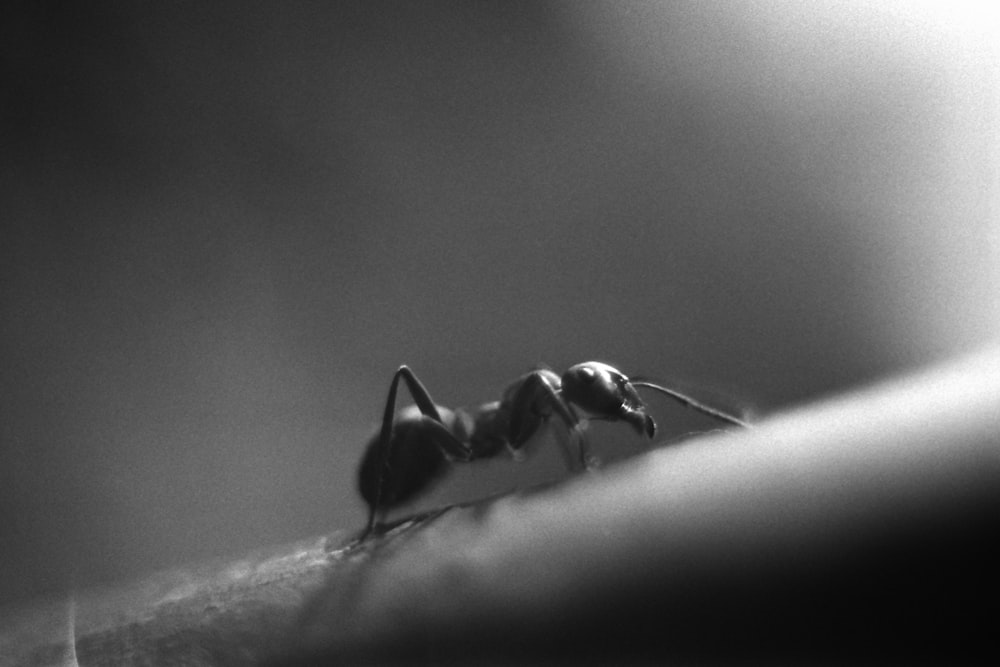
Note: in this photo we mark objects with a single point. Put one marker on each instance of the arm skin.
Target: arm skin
(854, 529)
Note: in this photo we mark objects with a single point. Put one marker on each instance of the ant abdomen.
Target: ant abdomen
(412, 466)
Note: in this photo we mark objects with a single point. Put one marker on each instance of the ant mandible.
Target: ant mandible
(415, 446)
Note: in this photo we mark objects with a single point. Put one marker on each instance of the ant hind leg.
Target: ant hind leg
(427, 407)
(433, 429)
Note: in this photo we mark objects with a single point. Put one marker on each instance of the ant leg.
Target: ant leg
(436, 426)
(536, 389)
(443, 436)
(687, 401)
(588, 461)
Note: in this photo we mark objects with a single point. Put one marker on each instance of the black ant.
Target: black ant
(416, 445)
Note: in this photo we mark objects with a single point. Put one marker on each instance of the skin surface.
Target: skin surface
(855, 529)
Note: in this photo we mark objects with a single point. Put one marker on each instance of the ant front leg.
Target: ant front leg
(389, 476)
(534, 398)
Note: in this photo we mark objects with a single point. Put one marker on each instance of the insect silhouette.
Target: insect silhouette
(416, 445)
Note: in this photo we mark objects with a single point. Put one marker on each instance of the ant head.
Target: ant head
(606, 392)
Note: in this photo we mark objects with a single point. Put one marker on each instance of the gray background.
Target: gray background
(226, 224)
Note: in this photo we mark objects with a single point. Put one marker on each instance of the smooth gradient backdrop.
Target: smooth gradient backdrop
(226, 224)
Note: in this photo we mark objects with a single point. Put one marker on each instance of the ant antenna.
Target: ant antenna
(691, 403)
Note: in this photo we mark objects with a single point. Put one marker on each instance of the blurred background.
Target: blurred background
(226, 224)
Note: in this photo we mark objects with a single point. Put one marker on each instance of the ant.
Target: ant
(416, 445)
